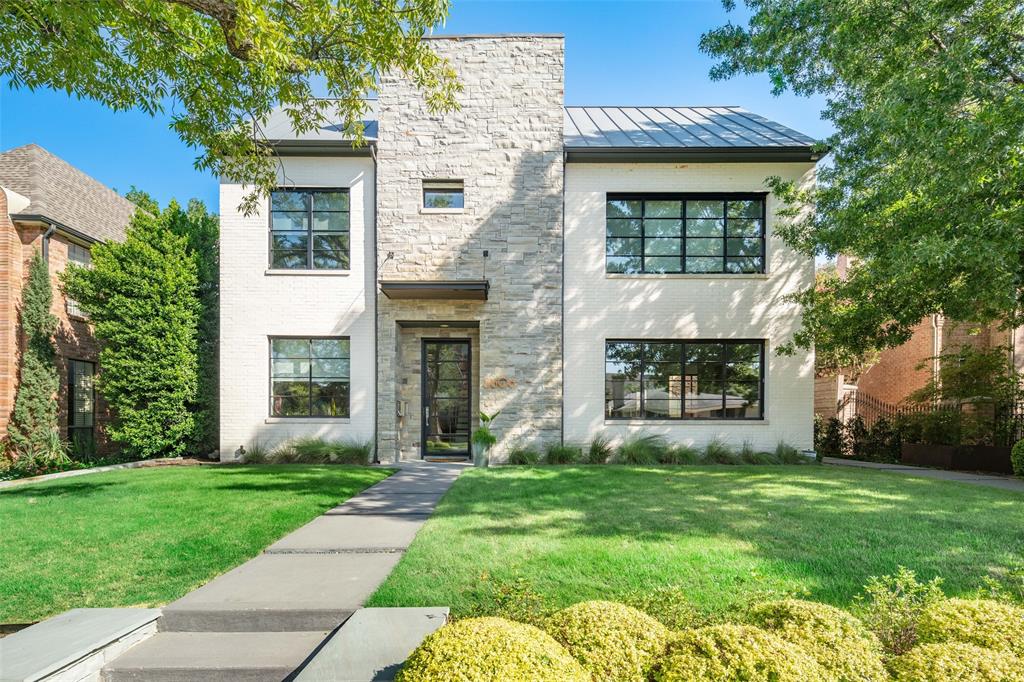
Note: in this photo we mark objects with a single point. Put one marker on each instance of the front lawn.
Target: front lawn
(147, 536)
(715, 537)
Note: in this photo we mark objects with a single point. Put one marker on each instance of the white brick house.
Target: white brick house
(584, 270)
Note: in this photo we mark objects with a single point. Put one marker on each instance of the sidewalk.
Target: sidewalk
(989, 480)
(263, 619)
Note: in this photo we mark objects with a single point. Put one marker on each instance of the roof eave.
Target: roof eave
(321, 147)
(776, 154)
(61, 227)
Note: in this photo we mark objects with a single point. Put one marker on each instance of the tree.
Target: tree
(201, 229)
(924, 188)
(141, 296)
(221, 66)
(34, 432)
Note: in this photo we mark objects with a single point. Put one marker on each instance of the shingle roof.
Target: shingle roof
(675, 128)
(60, 192)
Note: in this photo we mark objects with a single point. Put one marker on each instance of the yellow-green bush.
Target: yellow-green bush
(613, 641)
(486, 649)
(957, 662)
(984, 622)
(838, 641)
(725, 653)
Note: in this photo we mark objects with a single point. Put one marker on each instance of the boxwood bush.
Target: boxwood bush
(838, 642)
(724, 653)
(613, 641)
(982, 622)
(957, 662)
(486, 649)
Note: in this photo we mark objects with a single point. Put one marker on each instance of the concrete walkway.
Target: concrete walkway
(989, 480)
(262, 620)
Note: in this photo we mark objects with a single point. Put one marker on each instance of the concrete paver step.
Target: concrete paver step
(214, 657)
(372, 645)
(281, 592)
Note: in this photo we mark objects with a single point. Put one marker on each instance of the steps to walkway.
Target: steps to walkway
(268, 617)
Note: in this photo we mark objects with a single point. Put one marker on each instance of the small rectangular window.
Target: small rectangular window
(443, 194)
(309, 229)
(669, 233)
(684, 379)
(79, 255)
(309, 377)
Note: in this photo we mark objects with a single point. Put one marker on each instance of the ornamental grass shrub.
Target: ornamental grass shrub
(726, 653)
(563, 453)
(523, 455)
(957, 662)
(719, 452)
(840, 643)
(312, 450)
(600, 450)
(679, 454)
(642, 449)
(615, 642)
(982, 622)
(487, 649)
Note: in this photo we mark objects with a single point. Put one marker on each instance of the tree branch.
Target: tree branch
(225, 14)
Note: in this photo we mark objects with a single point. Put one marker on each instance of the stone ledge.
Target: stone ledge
(74, 645)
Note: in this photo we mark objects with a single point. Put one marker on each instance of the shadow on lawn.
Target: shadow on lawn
(72, 487)
(297, 479)
(835, 529)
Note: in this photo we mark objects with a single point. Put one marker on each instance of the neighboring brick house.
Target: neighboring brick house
(49, 206)
(584, 270)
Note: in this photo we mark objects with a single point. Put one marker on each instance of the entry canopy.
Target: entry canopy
(447, 290)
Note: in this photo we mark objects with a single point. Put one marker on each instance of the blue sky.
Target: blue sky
(617, 53)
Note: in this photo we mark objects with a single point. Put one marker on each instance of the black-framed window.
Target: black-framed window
(443, 194)
(81, 256)
(309, 229)
(81, 401)
(309, 377)
(684, 379)
(674, 233)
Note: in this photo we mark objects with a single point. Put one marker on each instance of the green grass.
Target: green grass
(719, 536)
(148, 536)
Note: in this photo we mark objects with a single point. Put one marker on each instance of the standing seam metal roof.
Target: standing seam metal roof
(675, 127)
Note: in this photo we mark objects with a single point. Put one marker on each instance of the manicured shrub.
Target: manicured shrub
(613, 641)
(641, 449)
(562, 453)
(838, 641)
(725, 653)
(679, 454)
(719, 452)
(830, 440)
(957, 662)
(486, 649)
(1017, 458)
(982, 622)
(314, 450)
(894, 606)
(523, 455)
(600, 450)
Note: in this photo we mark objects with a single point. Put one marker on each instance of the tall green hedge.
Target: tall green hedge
(34, 431)
(141, 295)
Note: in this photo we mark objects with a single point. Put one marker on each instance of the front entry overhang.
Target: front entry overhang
(437, 290)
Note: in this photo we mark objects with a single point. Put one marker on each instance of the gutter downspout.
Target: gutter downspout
(46, 244)
(376, 321)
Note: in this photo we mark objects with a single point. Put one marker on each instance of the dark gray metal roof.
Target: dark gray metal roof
(675, 128)
(58, 192)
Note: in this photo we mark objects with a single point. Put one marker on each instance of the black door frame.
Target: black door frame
(468, 343)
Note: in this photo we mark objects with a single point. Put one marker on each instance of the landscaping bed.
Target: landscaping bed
(147, 536)
(697, 542)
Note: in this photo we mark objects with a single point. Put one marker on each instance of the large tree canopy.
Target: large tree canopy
(925, 189)
(221, 66)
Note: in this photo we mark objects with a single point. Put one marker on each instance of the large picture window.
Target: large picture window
(671, 233)
(684, 379)
(309, 377)
(309, 229)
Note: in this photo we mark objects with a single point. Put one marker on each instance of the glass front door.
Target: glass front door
(447, 403)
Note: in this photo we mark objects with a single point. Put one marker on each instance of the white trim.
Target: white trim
(307, 273)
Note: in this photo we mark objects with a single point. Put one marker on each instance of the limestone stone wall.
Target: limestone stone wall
(505, 145)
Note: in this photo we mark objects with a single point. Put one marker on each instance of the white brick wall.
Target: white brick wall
(256, 305)
(599, 307)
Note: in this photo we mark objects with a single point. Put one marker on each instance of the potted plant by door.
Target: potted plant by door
(483, 440)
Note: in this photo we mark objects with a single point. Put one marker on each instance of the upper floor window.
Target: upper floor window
(671, 233)
(309, 377)
(443, 194)
(684, 379)
(80, 255)
(309, 229)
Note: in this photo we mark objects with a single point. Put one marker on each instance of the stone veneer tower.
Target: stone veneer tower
(505, 145)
